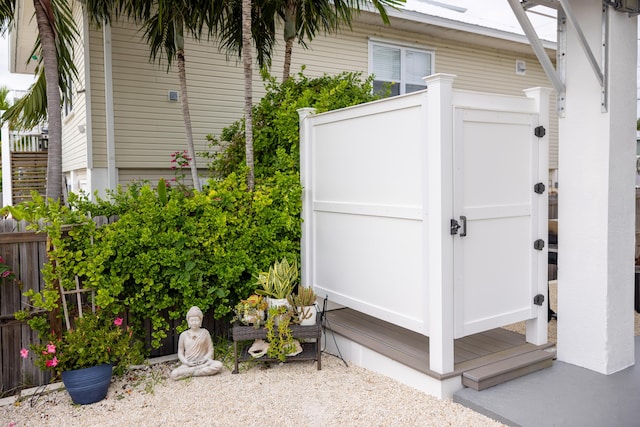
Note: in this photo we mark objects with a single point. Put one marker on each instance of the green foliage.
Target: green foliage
(302, 303)
(280, 280)
(280, 338)
(276, 137)
(95, 339)
(250, 311)
(169, 252)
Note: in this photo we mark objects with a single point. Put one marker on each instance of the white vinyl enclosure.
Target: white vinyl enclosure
(429, 211)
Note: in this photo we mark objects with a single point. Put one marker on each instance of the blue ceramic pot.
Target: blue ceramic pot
(88, 385)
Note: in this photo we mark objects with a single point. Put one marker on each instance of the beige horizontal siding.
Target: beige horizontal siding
(127, 175)
(74, 147)
(149, 127)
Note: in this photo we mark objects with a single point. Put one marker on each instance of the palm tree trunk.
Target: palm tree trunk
(46, 28)
(288, 50)
(186, 116)
(248, 89)
(289, 37)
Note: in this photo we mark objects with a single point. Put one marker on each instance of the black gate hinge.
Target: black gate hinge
(538, 244)
(455, 226)
(540, 131)
(539, 188)
(538, 299)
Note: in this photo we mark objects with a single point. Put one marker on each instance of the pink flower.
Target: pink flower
(53, 362)
(24, 353)
(51, 348)
(118, 321)
(1, 260)
(6, 273)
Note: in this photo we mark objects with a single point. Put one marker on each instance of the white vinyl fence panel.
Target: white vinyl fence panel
(384, 182)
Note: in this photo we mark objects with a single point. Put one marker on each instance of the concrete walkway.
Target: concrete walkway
(563, 395)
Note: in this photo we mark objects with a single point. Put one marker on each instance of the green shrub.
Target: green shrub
(276, 137)
(166, 254)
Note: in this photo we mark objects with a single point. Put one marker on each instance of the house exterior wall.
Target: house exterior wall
(74, 132)
(149, 127)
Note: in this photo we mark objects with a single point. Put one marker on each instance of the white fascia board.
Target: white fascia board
(422, 18)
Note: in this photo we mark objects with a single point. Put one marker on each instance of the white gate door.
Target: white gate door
(495, 166)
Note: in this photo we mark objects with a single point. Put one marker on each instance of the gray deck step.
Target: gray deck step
(504, 370)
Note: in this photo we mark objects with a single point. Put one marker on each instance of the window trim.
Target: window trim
(403, 46)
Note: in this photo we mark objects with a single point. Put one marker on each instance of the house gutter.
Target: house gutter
(13, 49)
(108, 96)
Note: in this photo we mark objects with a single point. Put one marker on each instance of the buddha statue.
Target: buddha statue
(195, 350)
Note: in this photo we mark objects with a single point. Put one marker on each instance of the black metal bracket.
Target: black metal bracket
(455, 226)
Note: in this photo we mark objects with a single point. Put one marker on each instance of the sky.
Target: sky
(12, 81)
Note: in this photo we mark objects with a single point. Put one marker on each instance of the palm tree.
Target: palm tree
(164, 23)
(248, 88)
(257, 24)
(304, 18)
(56, 34)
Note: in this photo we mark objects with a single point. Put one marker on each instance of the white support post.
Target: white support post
(439, 212)
(596, 203)
(306, 176)
(7, 190)
(536, 329)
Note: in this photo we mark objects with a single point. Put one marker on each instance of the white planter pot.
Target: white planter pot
(312, 310)
(273, 302)
(253, 317)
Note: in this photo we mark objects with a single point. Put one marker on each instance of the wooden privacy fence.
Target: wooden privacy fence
(25, 253)
(28, 173)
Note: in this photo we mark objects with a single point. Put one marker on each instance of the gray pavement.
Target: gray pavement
(563, 395)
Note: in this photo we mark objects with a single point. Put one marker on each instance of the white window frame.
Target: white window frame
(403, 47)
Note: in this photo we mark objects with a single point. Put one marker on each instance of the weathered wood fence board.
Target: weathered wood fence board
(28, 173)
(24, 253)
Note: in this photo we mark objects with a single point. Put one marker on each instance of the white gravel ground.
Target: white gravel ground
(290, 394)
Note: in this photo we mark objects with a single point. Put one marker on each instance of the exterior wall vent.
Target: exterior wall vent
(173, 95)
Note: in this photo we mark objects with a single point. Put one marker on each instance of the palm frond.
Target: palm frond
(30, 110)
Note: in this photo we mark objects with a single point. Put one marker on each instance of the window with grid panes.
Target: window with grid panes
(400, 67)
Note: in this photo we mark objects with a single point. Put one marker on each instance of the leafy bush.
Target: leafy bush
(276, 137)
(168, 254)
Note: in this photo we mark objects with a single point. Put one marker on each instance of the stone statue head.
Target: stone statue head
(195, 312)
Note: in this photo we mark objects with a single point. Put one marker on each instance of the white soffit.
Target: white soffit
(493, 20)
(22, 38)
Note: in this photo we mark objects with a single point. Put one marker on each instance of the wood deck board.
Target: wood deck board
(412, 349)
(507, 369)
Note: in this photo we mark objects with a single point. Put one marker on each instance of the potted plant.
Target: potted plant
(279, 334)
(278, 283)
(303, 304)
(86, 355)
(250, 311)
